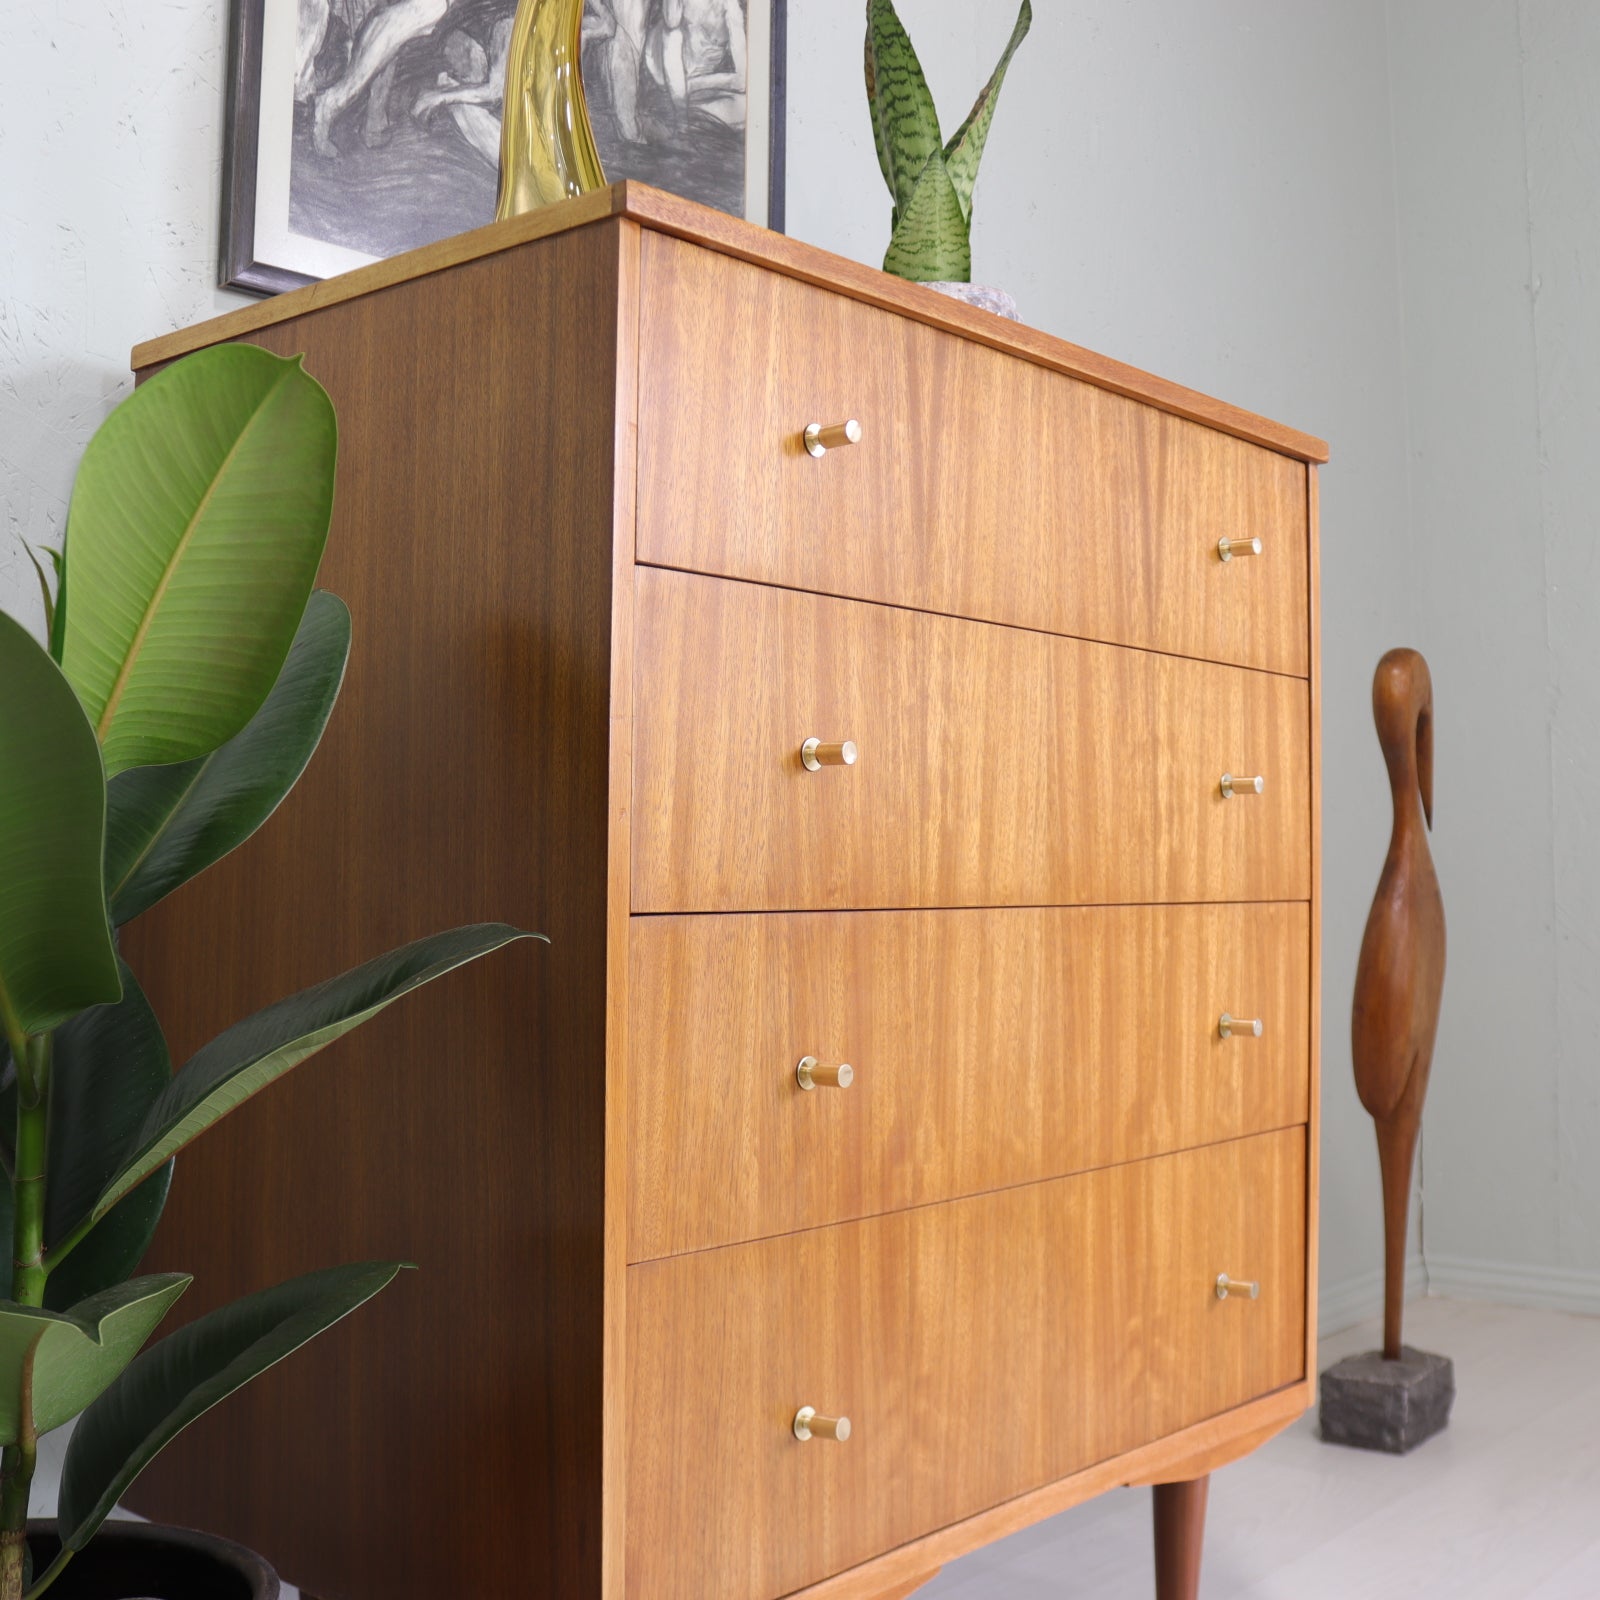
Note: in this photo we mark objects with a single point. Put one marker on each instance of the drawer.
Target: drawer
(987, 1048)
(980, 1349)
(984, 485)
(997, 766)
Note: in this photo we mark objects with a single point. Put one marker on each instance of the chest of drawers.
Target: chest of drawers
(854, 1178)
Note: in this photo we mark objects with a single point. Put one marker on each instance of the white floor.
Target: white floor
(1504, 1505)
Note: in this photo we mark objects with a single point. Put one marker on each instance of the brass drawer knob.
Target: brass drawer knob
(810, 1074)
(809, 1425)
(821, 439)
(1228, 1025)
(1227, 1286)
(1227, 549)
(815, 755)
(1232, 786)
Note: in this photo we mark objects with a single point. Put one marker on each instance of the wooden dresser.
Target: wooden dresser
(927, 828)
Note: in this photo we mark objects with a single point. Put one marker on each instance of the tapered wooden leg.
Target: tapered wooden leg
(1397, 1154)
(1180, 1510)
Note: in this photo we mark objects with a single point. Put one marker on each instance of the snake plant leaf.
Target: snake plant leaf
(197, 522)
(931, 242)
(187, 1373)
(905, 125)
(965, 149)
(165, 824)
(56, 955)
(248, 1056)
(75, 1355)
(110, 1065)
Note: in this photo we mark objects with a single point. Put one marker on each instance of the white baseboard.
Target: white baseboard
(1513, 1284)
(1343, 1305)
(1505, 1283)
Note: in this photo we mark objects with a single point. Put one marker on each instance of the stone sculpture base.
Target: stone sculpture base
(1387, 1405)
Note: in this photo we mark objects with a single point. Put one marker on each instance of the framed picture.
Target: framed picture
(361, 128)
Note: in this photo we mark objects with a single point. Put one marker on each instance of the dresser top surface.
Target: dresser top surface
(684, 219)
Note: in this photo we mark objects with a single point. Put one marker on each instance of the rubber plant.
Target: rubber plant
(930, 179)
(190, 671)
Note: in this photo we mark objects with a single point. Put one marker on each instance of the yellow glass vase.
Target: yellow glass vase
(547, 148)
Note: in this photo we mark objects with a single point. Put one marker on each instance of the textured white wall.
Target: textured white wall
(110, 155)
(1498, 157)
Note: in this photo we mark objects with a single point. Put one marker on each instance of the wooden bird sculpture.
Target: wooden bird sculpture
(1400, 976)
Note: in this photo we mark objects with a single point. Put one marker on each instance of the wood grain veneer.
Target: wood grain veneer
(1314, 975)
(1019, 901)
(1215, 1442)
(716, 232)
(990, 1048)
(982, 487)
(997, 766)
(465, 1129)
(1082, 1312)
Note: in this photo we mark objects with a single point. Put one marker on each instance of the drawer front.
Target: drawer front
(987, 1048)
(980, 1348)
(996, 766)
(983, 485)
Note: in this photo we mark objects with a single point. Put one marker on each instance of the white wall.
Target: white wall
(1498, 159)
(110, 161)
(1315, 208)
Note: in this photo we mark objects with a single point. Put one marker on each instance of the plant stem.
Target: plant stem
(16, 1487)
(33, 1128)
(27, 1288)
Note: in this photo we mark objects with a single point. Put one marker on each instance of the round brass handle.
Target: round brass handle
(1227, 549)
(1232, 786)
(815, 755)
(820, 438)
(809, 1425)
(1228, 1025)
(810, 1074)
(1227, 1286)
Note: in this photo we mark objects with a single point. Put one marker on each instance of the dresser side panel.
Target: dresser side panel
(427, 1445)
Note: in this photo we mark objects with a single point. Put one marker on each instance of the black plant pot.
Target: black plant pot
(144, 1561)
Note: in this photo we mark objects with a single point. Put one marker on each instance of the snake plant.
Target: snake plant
(931, 181)
(190, 672)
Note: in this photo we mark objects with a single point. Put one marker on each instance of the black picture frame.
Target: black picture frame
(239, 266)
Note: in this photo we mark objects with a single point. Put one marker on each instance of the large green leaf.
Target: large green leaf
(110, 1066)
(165, 824)
(253, 1053)
(56, 955)
(186, 1374)
(197, 522)
(965, 149)
(76, 1354)
(931, 242)
(905, 124)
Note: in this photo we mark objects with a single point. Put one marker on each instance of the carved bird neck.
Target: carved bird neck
(1402, 708)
